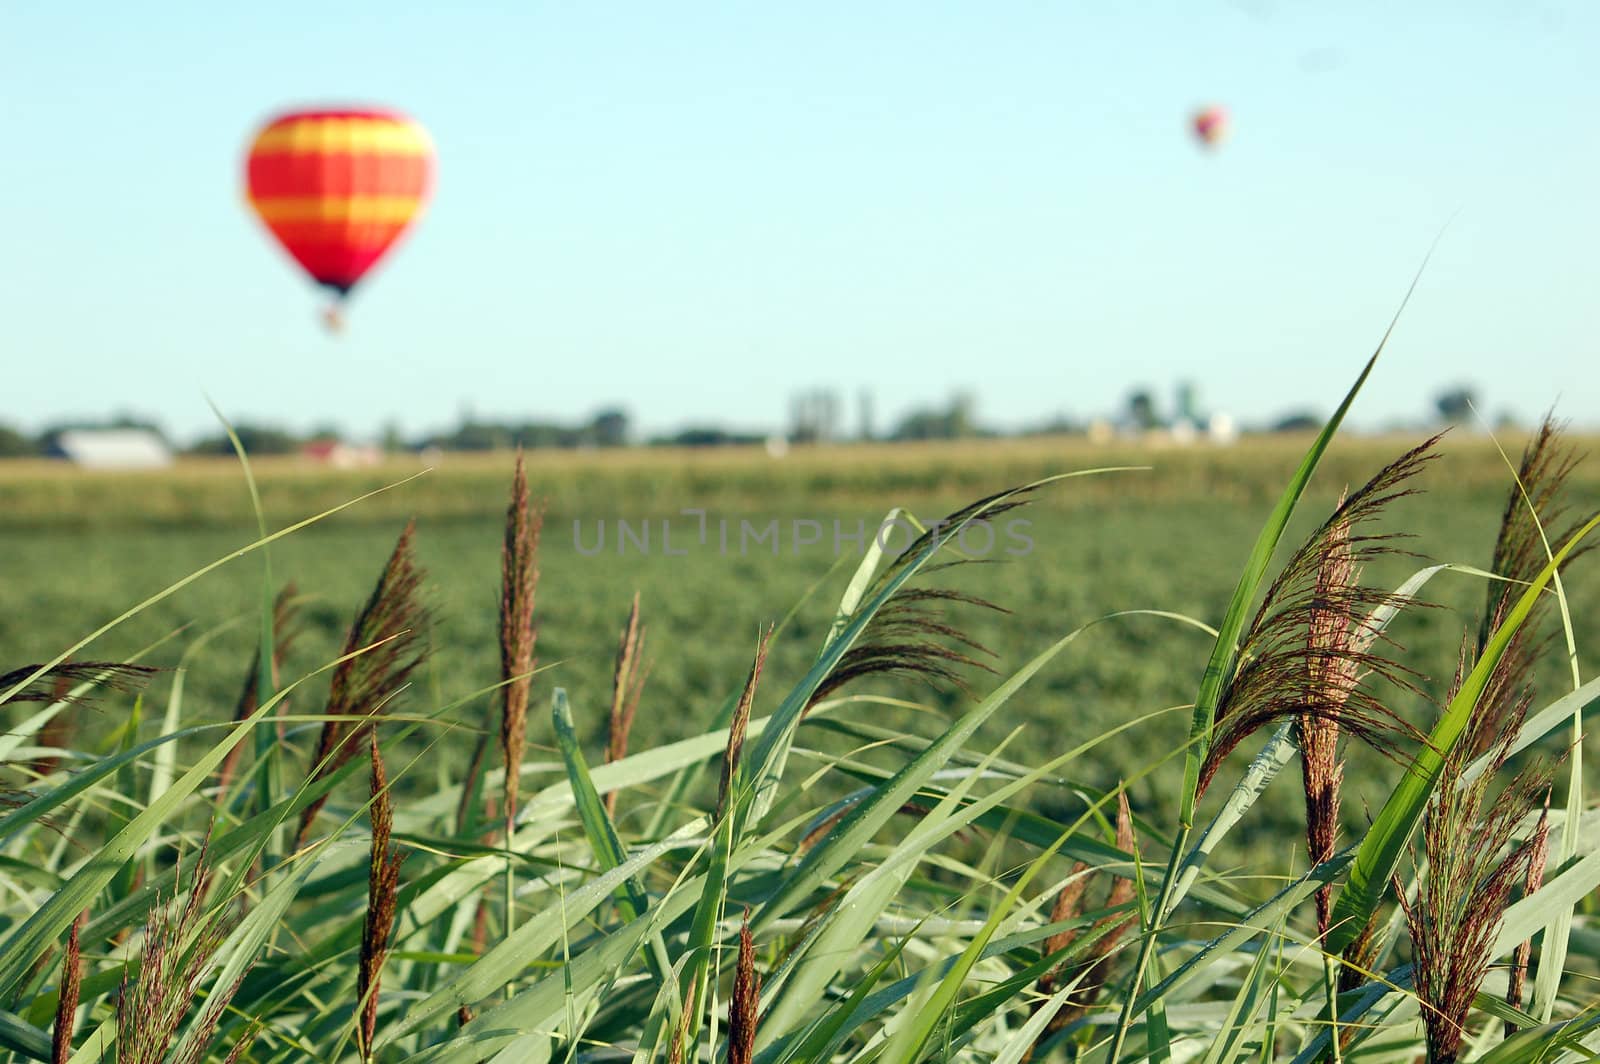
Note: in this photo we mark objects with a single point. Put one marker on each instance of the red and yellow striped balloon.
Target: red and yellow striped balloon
(337, 188)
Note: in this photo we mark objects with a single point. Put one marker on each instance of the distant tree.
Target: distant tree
(1298, 421)
(962, 416)
(1455, 404)
(814, 416)
(609, 428)
(256, 439)
(923, 425)
(705, 436)
(474, 436)
(954, 422)
(1060, 424)
(1142, 410)
(14, 444)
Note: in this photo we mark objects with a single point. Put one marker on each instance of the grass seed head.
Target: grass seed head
(177, 949)
(394, 624)
(742, 1010)
(54, 684)
(383, 890)
(1474, 862)
(1539, 853)
(739, 724)
(1332, 638)
(627, 684)
(519, 580)
(67, 1000)
(1294, 664)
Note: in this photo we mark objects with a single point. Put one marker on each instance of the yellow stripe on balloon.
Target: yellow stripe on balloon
(326, 135)
(360, 210)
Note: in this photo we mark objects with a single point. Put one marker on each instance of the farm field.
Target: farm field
(882, 837)
(81, 547)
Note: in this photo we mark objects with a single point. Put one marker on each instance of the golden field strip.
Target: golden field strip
(662, 480)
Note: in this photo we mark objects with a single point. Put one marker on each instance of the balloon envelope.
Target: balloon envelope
(337, 188)
(1211, 125)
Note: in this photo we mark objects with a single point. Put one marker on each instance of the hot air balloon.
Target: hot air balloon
(1211, 125)
(337, 188)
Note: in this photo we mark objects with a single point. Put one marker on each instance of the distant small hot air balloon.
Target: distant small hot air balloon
(1211, 125)
(337, 188)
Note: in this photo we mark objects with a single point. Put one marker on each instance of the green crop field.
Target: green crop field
(599, 930)
(1167, 532)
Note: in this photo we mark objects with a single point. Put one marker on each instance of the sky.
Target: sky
(695, 211)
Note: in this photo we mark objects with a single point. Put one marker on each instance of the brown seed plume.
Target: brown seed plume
(1279, 649)
(157, 997)
(393, 624)
(903, 639)
(909, 636)
(680, 1034)
(383, 889)
(57, 732)
(1114, 924)
(739, 724)
(519, 579)
(67, 1000)
(746, 1000)
(1110, 928)
(55, 683)
(1333, 641)
(1068, 906)
(1535, 514)
(1474, 863)
(627, 684)
(1538, 855)
(1535, 506)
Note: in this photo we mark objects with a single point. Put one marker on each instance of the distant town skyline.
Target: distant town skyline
(697, 214)
(815, 416)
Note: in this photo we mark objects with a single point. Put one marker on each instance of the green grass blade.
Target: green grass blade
(867, 818)
(1230, 1043)
(602, 834)
(944, 996)
(1523, 919)
(22, 1037)
(1541, 1045)
(1274, 911)
(512, 955)
(860, 581)
(814, 963)
(267, 768)
(823, 1038)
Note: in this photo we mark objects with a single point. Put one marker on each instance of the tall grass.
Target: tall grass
(802, 879)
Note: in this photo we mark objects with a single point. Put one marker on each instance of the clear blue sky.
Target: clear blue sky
(694, 210)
